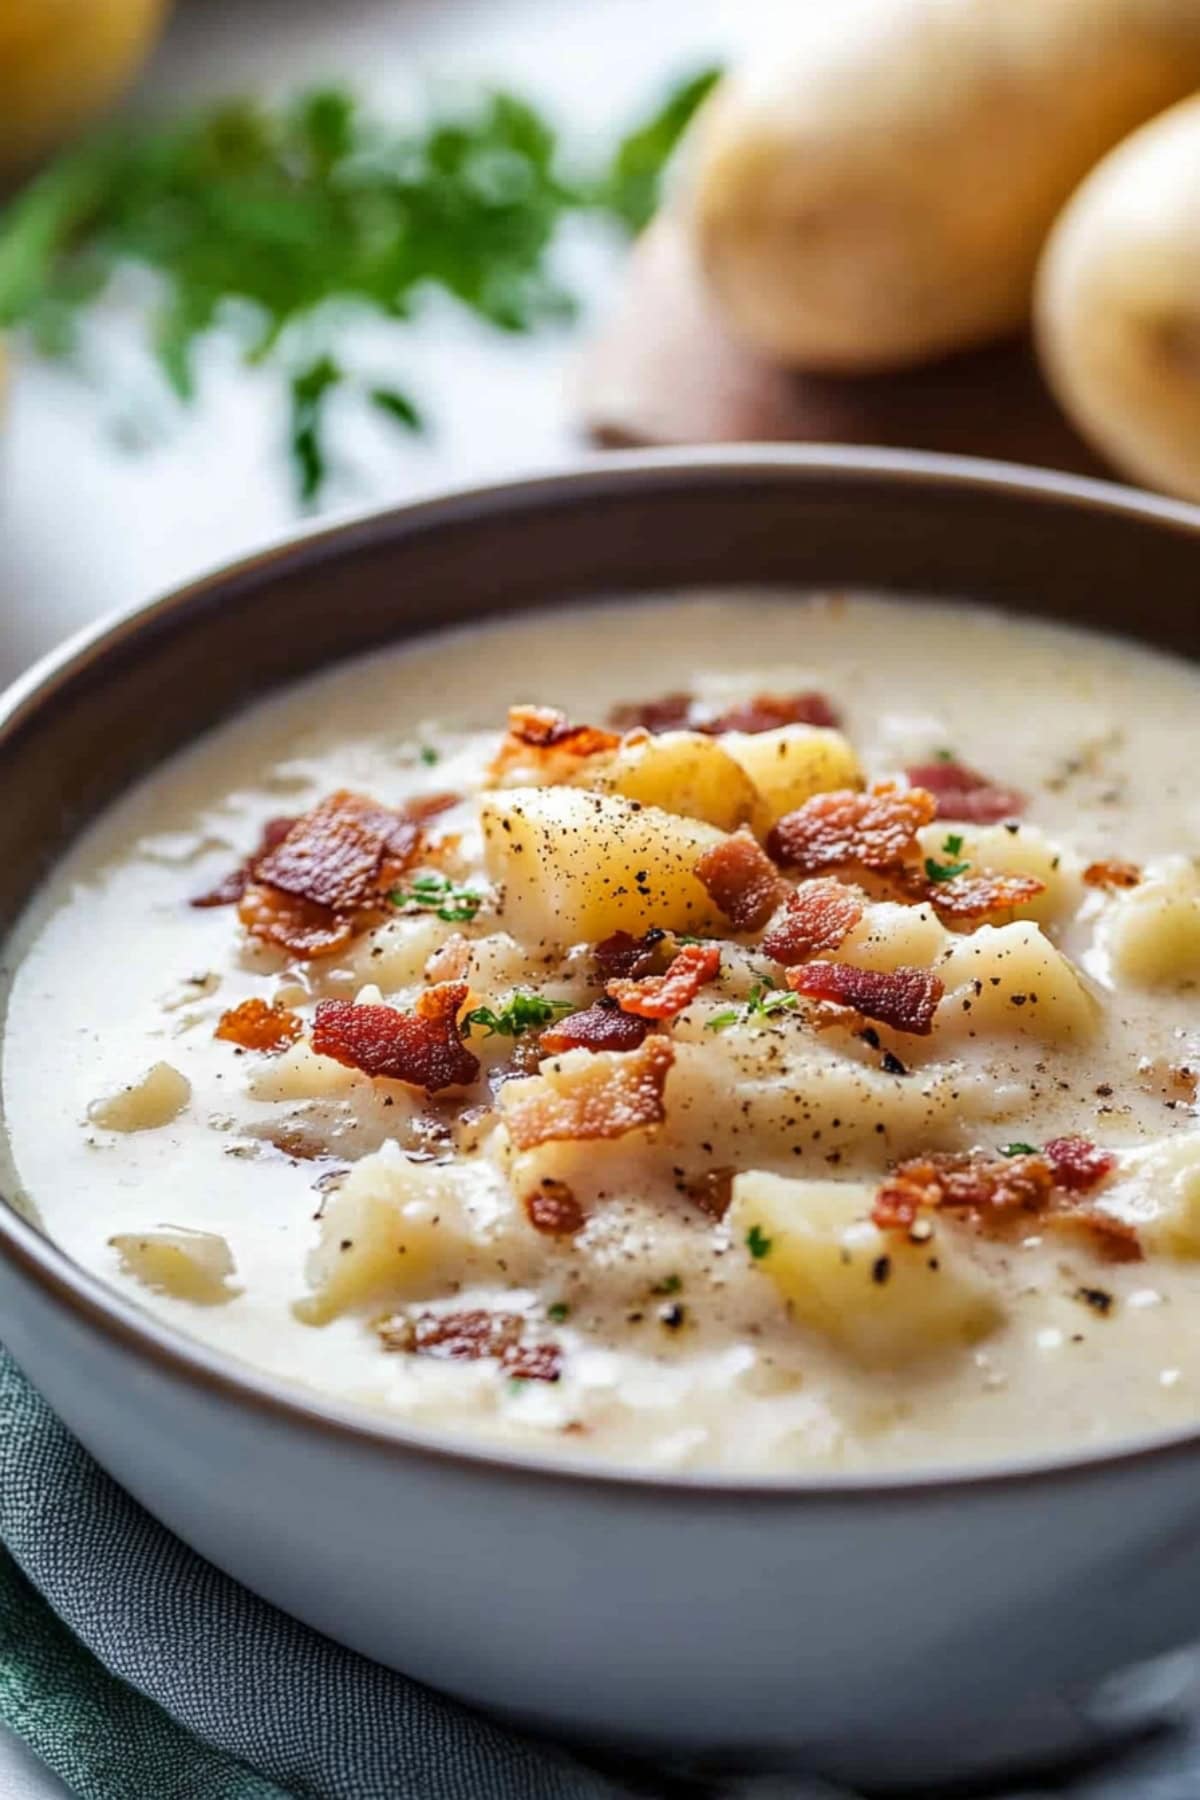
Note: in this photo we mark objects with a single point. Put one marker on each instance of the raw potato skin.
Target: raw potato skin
(62, 62)
(878, 193)
(1118, 305)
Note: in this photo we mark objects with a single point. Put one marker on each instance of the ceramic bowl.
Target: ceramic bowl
(890, 1629)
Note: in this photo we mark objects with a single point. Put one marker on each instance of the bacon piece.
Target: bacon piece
(533, 1362)
(670, 713)
(906, 999)
(288, 923)
(740, 880)
(256, 1026)
(1112, 874)
(343, 854)
(624, 955)
(964, 1182)
(664, 996)
(1078, 1164)
(877, 829)
(474, 1336)
(1116, 1240)
(543, 739)
(817, 916)
(421, 1047)
(963, 793)
(553, 1209)
(767, 712)
(606, 1096)
(428, 806)
(231, 887)
(974, 896)
(711, 1191)
(600, 1027)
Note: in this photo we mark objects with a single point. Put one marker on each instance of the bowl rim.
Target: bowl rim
(103, 1308)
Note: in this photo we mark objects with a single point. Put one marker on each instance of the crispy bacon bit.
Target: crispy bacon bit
(1116, 1240)
(963, 793)
(767, 712)
(974, 896)
(256, 1026)
(1112, 874)
(876, 829)
(601, 1027)
(1078, 1164)
(343, 854)
(533, 1362)
(604, 1097)
(231, 887)
(711, 1191)
(967, 1182)
(671, 713)
(624, 955)
(741, 881)
(428, 806)
(288, 923)
(421, 1047)
(543, 739)
(905, 999)
(817, 916)
(553, 1208)
(663, 996)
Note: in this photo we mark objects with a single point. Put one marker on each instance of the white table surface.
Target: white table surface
(86, 528)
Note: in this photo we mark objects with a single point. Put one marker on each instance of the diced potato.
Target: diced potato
(1158, 1190)
(994, 849)
(682, 772)
(395, 955)
(1152, 932)
(299, 1074)
(1010, 978)
(872, 1294)
(788, 766)
(392, 1229)
(190, 1265)
(159, 1096)
(891, 936)
(576, 866)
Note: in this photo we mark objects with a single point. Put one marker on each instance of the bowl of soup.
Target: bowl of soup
(619, 1054)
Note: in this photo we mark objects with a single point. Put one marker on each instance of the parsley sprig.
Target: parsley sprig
(522, 1012)
(946, 871)
(764, 1002)
(438, 894)
(281, 222)
(758, 1243)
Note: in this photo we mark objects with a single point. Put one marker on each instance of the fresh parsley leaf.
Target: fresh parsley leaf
(1018, 1150)
(310, 388)
(397, 406)
(438, 894)
(765, 1000)
(670, 1284)
(757, 1242)
(428, 755)
(633, 182)
(946, 871)
(944, 755)
(558, 1312)
(521, 1013)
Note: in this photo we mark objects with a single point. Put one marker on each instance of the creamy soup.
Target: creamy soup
(772, 1046)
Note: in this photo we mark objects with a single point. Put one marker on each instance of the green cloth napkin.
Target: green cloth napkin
(137, 1671)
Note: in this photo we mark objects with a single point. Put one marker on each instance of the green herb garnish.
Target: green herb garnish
(521, 1013)
(1018, 1150)
(946, 756)
(428, 755)
(758, 1243)
(559, 1312)
(280, 222)
(946, 871)
(438, 894)
(671, 1284)
(764, 1002)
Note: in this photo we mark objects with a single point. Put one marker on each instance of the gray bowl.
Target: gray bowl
(897, 1629)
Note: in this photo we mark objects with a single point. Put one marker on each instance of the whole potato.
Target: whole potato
(1118, 305)
(61, 62)
(877, 192)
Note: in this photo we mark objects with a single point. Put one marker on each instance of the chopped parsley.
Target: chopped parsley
(764, 1002)
(944, 755)
(1018, 1150)
(758, 1243)
(671, 1284)
(438, 894)
(946, 871)
(428, 755)
(519, 1014)
(559, 1312)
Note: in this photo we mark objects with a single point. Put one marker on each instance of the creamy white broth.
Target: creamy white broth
(678, 1347)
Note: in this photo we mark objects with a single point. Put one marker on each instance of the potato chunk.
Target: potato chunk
(1010, 978)
(1152, 932)
(872, 1294)
(1159, 1192)
(788, 766)
(682, 772)
(891, 936)
(156, 1098)
(393, 1228)
(190, 1265)
(575, 867)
